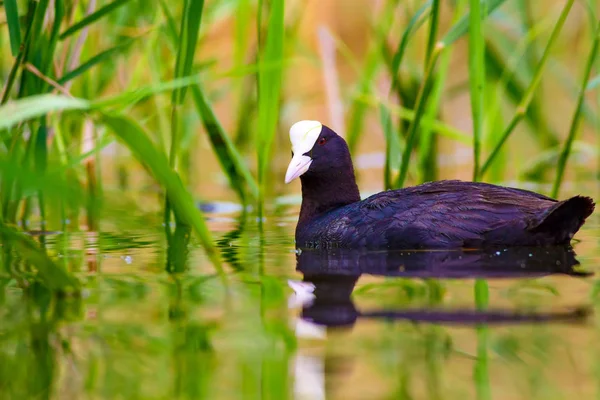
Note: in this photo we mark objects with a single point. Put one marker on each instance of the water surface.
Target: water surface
(159, 323)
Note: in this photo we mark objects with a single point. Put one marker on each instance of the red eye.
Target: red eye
(322, 141)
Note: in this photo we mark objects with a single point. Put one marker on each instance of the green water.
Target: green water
(158, 323)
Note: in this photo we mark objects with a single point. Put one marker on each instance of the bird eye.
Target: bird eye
(322, 141)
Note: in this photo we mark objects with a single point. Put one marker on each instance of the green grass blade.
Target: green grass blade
(93, 61)
(476, 78)
(190, 26)
(431, 123)
(36, 49)
(49, 273)
(393, 147)
(30, 107)
(186, 48)
(413, 25)
(512, 78)
(47, 64)
(269, 88)
(132, 97)
(230, 159)
(14, 26)
(427, 140)
(12, 75)
(462, 26)
(136, 139)
(434, 22)
(373, 61)
(27, 108)
(92, 18)
(528, 96)
(428, 143)
(420, 107)
(171, 26)
(455, 32)
(566, 151)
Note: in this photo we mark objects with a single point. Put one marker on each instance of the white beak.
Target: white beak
(297, 167)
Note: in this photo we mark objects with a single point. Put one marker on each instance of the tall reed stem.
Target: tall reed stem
(528, 96)
(566, 151)
(12, 75)
(419, 110)
(476, 79)
(433, 29)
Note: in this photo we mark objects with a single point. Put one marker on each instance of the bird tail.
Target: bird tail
(565, 217)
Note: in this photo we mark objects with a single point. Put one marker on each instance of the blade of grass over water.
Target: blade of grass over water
(524, 104)
(230, 159)
(269, 91)
(138, 142)
(185, 209)
(245, 104)
(575, 122)
(41, 163)
(189, 28)
(14, 25)
(49, 273)
(476, 78)
(186, 48)
(92, 18)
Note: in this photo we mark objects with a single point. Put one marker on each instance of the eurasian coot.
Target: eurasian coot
(442, 214)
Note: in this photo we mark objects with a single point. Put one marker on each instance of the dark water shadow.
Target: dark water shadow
(331, 276)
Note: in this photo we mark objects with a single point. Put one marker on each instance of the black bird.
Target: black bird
(442, 214)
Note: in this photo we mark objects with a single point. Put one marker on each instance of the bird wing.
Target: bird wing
(447, 213)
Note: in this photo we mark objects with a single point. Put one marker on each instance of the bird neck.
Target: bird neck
(325, 192)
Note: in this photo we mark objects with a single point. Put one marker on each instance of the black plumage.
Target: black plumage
(442, 214)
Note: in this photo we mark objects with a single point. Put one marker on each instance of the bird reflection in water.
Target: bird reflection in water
(330, 276)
